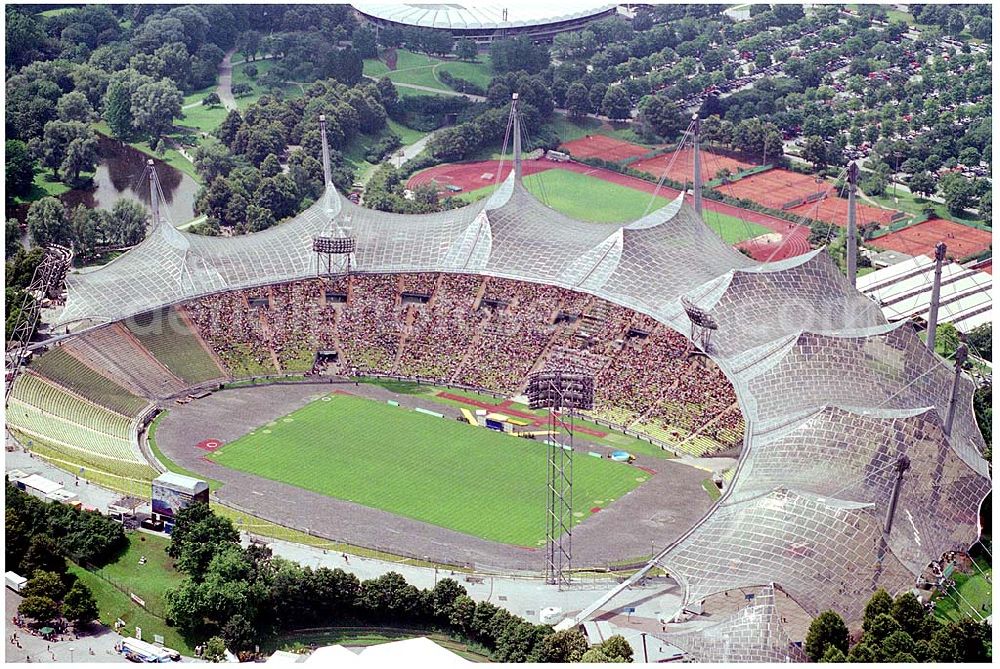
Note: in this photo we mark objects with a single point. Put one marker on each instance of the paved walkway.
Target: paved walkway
(96, 646)
(225, 89)
(87, 493)
(411, 151)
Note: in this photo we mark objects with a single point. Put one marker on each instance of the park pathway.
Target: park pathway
(225, 89)
(411, 150)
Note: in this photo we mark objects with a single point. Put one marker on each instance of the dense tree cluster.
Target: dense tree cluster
(40, 534)
(49, 596)
(89, 231)
(247, 188)
(245, 594)
(423, 40)
(900, 630)
(39, 537)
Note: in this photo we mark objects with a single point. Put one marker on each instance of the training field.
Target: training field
(583, 197)
(733, 230)
(436, 470)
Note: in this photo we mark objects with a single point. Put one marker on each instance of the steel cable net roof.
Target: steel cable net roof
(456, 16)
(829, 392)
(752, 634)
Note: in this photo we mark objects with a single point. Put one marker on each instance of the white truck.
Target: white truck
(14, 581)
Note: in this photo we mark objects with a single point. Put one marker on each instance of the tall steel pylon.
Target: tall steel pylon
(46, 280)
(562, 393)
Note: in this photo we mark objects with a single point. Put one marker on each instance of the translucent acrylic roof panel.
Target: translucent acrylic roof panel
(529, 239)
(825, 553)
(752, 634)
(835, 453)
(762, 304)
(661, 260)
(171, 265)
(396, 242)
(881, 368)
(458, 16)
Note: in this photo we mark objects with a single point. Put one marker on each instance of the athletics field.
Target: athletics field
(436, 470)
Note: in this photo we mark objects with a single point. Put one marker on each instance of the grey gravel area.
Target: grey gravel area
(639, 523)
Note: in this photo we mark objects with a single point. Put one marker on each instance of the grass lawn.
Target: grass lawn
(405, 92)
(203, 118)
(712, 489)
(43, 185)
(151, 580)
(974, 588)
(479, 72)
(730, 228)
(583, 197)
(113, 604)
(423, 70)
(408, 135)
(350, 448)
(569, 129)
(57, 12)
(914, 204)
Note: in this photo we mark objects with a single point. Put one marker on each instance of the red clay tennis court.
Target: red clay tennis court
(774, 188)
(604, 147)
(682, 169)
(962, 240)
(833, 209)
(778, 188)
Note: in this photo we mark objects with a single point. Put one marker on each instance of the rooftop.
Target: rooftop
(457, 16)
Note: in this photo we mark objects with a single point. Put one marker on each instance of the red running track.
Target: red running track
(794, 238)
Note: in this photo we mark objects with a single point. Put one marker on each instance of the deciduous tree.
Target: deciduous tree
(827, 629)
(47, 222)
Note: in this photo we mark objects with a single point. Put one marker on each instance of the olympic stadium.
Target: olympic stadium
(859, 459)
(484, 23)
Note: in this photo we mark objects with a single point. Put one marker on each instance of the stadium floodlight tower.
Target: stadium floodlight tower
(341, 243)
(702, 324)
(328, 247)
(560, 391)
(46, 281)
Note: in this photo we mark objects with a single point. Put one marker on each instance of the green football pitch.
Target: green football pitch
(589, 198)
(436, 470)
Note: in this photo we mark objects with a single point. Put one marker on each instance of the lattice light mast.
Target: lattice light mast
(702, 324)
(932, 318)
(697, 164)
(46, 281)
(559, 391)
(852, 224)
(326, 248)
